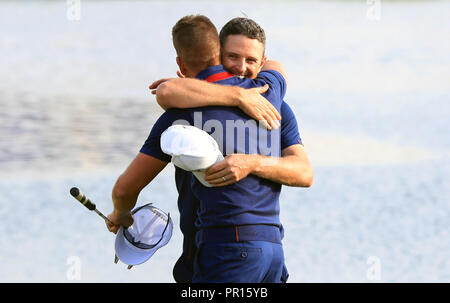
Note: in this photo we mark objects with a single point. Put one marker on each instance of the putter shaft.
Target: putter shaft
(77, 194)
(103, 216)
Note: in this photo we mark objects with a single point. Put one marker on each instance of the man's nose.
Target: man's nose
(240, 66)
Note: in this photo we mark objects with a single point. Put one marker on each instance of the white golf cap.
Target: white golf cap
(192, 149)
(151, 230)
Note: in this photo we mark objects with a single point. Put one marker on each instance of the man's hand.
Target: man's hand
(232, 169)
(259, 108)
(155, 84)
(125, 220)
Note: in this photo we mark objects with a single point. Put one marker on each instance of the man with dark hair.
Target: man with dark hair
(239, 230)
(242, 26)
(242, 53)
(233, 45)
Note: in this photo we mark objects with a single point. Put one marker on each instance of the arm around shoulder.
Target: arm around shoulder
(276, 66)
(167, 93)
(189, 92)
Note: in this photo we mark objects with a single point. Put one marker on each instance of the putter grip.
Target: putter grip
(75, 192)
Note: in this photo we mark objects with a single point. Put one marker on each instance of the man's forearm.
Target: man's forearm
(287, 170)
(292, 169)
(187, 92)
(123, 201)
(139, 173)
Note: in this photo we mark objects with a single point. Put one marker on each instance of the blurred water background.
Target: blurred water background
(369, 82)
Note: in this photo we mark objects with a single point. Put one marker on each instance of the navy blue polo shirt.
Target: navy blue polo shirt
(227, 207)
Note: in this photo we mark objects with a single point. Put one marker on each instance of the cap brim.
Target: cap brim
(132, 255)
(200, 175)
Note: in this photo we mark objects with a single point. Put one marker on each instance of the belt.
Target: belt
(269, 233)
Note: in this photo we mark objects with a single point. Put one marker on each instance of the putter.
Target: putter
(77, 194)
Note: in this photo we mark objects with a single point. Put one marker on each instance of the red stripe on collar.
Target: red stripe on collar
(219, 76)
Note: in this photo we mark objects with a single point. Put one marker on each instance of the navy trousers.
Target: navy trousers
(239, 262)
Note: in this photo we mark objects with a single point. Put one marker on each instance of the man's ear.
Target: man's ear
(181, 66)
(263, 61)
